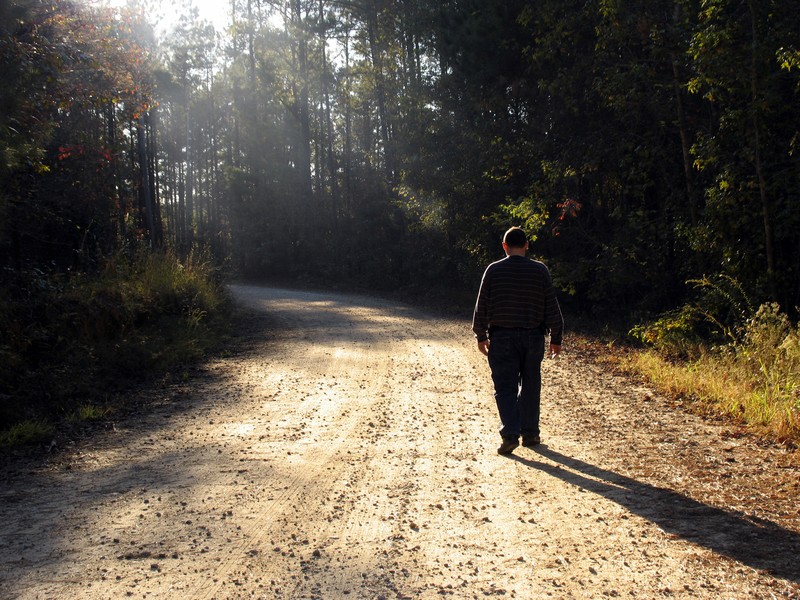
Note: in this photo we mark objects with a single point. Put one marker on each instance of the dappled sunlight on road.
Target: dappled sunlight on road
(346, 448)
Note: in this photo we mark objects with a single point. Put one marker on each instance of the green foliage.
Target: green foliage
(26, 432)
(723, 304)
(73, 341)
(89, 412)
(529, 213)
(671, 125)
(74, 80)
(742, 361)
(716, 316)
(675, 334)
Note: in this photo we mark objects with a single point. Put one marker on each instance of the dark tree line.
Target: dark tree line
(77, 134)
(389, 143)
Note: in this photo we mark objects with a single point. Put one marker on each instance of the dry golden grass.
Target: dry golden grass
(764, 399)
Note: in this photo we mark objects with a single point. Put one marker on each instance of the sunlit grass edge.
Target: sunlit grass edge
(721, 385)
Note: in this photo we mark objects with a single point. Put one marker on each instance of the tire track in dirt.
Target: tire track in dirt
(325, 453)
(346, 449)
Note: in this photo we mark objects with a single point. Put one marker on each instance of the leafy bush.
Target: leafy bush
(714, 319)
(675, 334)
(72, 341)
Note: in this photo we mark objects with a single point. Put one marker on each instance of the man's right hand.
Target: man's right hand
(484, 347)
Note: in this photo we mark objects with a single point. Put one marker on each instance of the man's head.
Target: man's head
(515, 240)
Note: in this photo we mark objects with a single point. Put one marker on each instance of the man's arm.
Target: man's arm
(480, 325)
(553, 317)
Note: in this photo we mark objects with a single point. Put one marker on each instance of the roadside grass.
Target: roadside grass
(73, 344)
(89, 412)
(29, 431)
(754, 380)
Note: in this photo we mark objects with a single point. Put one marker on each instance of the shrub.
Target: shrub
(713, 319)
(73, 339)
(769, 351)
(675, 334)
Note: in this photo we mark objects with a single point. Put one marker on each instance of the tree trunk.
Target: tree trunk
(327, 124)
(376, 53)
(348, 129)
(409, 40)
(251, 57)
(189, 185)
(144, 179)
(302, 107)
(686, 152)
(111, 121)
(151, 120)
(762, 185)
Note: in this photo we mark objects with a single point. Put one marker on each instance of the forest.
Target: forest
(649, 147)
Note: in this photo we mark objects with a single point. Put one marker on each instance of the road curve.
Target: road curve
(345, 448)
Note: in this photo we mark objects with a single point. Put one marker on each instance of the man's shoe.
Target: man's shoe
(508, 445)
(531, 440)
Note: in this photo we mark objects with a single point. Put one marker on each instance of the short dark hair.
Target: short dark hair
(515, 238)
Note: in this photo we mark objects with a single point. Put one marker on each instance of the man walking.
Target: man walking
(516, 308)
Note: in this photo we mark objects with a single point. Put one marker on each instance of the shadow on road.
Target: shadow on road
(757, 543)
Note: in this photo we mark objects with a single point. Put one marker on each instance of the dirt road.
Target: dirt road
(346, 449)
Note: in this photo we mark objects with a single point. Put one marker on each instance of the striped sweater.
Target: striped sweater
(517, 292)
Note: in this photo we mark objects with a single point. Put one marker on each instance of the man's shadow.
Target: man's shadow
(758, 543)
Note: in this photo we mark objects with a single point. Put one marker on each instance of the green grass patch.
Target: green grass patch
(90, 412)
(33, 431)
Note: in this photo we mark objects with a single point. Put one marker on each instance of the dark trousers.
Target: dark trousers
(515, 358)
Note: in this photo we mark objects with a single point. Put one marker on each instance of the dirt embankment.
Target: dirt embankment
(346, 449)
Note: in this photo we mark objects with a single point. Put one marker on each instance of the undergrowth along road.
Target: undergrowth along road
(345, 448)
